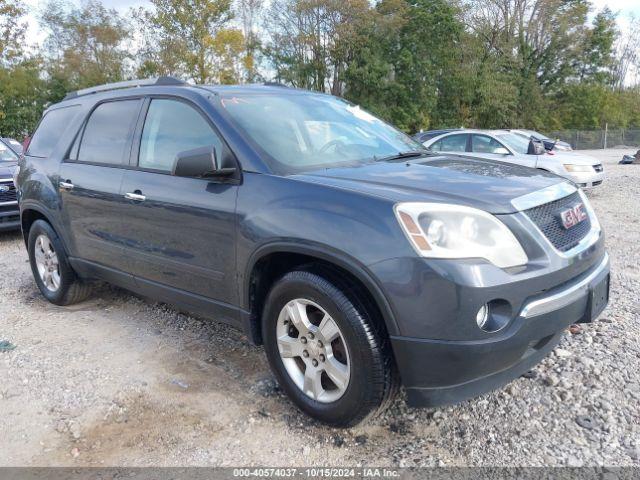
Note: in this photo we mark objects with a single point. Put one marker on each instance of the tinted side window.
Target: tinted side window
(108, 132)
(51, 128)
(484, 144)
(452, 143)
(172, 127)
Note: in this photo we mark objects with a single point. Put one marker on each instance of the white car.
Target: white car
(505, 146)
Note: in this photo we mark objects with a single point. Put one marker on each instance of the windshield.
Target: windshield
(517, 143)
(307, 132)
(536, 135)
(6, 154)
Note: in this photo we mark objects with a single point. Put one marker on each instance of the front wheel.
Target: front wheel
(325, 350)
(54, 276)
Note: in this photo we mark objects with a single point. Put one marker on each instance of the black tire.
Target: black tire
(373, 379)
(72, 289)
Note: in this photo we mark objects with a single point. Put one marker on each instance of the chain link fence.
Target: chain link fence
(594, 139)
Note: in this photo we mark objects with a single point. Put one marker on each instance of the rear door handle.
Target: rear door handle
(67, 185)
(135, 196)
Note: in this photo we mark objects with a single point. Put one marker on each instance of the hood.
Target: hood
(484, 184)
(7, 169)
(575, 158)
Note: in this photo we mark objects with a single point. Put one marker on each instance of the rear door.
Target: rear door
(455, 143)
(94, 212)
(180, 231)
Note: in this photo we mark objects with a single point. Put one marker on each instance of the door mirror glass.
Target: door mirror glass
(200, 163)
(536, 147)
(501, 151)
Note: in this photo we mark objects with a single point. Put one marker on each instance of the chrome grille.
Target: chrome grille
(547, 219)
(7, 195)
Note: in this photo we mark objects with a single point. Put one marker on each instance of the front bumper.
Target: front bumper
(586, 179)
(437, 372)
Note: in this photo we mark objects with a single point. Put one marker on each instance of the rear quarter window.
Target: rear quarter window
(51, 128)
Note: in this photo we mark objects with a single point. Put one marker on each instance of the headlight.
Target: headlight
(453, 231)
(578, 168)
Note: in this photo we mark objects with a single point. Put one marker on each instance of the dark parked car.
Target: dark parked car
(357, 258)
(9, 212)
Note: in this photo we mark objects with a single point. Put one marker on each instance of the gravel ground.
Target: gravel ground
(119, 381)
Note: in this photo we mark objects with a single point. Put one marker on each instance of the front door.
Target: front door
(90, 181)
(180, 231)
(484, 146)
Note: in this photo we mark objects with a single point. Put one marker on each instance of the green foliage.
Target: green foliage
(85, 46)
(12, 30)
(597, 60)
(184, 37)
(543, 64)
(23, 96)
(402, 72)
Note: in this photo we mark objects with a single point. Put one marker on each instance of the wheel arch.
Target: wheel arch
(29, 214)
(270, 262)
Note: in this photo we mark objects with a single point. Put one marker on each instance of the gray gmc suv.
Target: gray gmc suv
(360, 260)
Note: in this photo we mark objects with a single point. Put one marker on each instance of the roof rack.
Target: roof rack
(145, 82)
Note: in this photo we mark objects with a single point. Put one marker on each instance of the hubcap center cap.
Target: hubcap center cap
(314, 350)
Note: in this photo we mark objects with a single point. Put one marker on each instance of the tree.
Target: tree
(187, 29)
(23, 96)
(85, 46)
(158, 54)
(12, 30)
(22, 92)
(402, 71)
(628, 55)
(249, 12)
(228, 47)
(537, 42)
(312, 41)
(596, 61)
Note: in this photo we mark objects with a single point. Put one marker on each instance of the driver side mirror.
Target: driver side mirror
(200, 163)
(536, 148)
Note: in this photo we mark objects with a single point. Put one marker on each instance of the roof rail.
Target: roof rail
(145, 82)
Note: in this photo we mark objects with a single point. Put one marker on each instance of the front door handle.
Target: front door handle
(138, 197)
(66, 185)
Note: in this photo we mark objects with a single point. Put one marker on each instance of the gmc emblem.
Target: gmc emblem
(573, 216)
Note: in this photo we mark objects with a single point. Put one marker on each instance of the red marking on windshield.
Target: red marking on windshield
(233, 101)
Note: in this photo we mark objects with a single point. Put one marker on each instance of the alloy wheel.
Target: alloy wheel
(313, 350)
(47, 263)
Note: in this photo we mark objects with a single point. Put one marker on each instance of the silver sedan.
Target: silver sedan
(505, 146)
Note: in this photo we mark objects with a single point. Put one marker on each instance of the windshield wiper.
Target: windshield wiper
(402, 155)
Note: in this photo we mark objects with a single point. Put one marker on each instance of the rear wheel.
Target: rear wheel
(55, 278)
(325, 350)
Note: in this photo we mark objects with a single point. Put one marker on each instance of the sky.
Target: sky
(624, 8)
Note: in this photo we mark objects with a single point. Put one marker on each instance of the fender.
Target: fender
(49, 216)
(328, 254)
